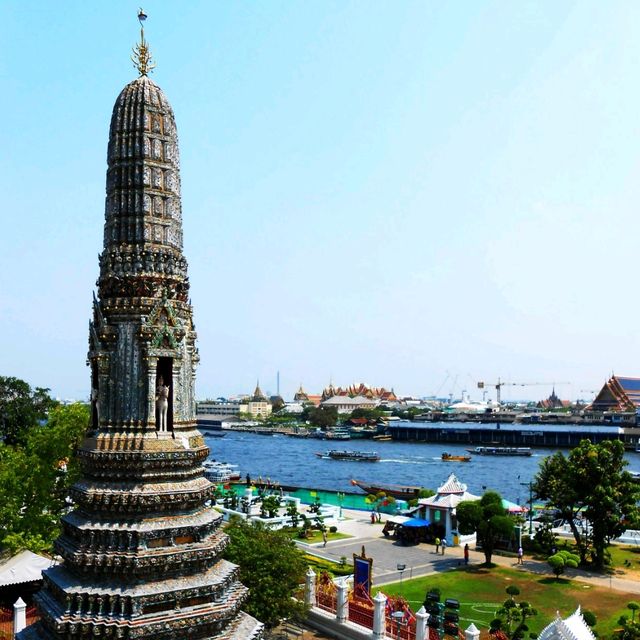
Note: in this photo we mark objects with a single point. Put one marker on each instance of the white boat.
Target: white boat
(218, 472)
(501, 451)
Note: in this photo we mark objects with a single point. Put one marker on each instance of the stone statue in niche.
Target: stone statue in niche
(95, 406)
(162, 403)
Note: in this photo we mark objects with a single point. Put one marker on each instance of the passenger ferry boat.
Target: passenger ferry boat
(338, 433)
(501, 451)
(218, 472)
(354, 456)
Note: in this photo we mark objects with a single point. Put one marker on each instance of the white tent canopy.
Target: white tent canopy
(23, 567)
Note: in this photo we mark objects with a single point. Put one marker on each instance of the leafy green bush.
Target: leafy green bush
(561, 560)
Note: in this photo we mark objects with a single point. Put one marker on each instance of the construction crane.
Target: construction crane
(498, 385)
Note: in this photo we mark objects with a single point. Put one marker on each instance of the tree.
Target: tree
(369, 414)
(513, 613)
(271, 566)
(544, 538)
(561, 560)
(270, 506)
(380, 499)
(630, 628)
(591, 482)
(21, 408)
(321, 417)
(36, 476)
(590, 618)
(487, 518)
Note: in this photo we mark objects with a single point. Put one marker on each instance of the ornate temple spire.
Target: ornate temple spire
(141, 57)
(258, 396)
(142, 547)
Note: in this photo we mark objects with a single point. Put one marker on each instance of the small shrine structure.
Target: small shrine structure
(572, 628)
(440, 509)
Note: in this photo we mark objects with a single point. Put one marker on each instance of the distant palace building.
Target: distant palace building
(346, 404)
(380, 394)
(618, 394)
(303, 397)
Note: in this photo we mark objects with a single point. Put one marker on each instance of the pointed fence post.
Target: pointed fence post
(379, 617)
(472, 632)
(422, 617)
(310, 588)
(341, 601)
(19, 615)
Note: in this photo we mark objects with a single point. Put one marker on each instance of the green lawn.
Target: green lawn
(481, 591)
(625, 557)
(317, 537)
(322, 564)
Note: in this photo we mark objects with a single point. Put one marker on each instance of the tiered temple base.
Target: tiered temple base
(142, 551)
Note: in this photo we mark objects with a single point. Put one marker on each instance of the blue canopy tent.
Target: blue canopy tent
(416, 522)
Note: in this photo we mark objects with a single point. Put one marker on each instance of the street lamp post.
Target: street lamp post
(340, 499)
(401, 568)
(398, 618)
(530, 485)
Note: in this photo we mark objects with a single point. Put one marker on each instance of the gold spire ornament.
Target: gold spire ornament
(141, 57)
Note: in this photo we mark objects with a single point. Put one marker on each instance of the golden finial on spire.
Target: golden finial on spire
(141, 57)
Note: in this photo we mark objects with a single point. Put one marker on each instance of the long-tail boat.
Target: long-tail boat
(399, 491)
(450, 457)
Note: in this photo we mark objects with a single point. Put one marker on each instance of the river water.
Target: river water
(292, 461)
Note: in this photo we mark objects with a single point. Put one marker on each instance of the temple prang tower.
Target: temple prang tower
(142, 550)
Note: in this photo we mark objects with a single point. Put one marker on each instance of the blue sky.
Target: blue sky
(418, 195)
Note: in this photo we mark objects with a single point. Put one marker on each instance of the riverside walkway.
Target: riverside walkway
(421, 559)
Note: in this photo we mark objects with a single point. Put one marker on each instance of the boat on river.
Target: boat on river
(450, 457)
(218, 472)
(398, 491)
(338, 433)
(353, 456)
(501, 451)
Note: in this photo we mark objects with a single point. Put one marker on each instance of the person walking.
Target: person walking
(444, 545)
(520, 555)
(324, 537)
(466, 554)
(437, 541)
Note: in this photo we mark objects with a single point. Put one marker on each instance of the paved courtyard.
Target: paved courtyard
(422, 560)
(387, 553)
